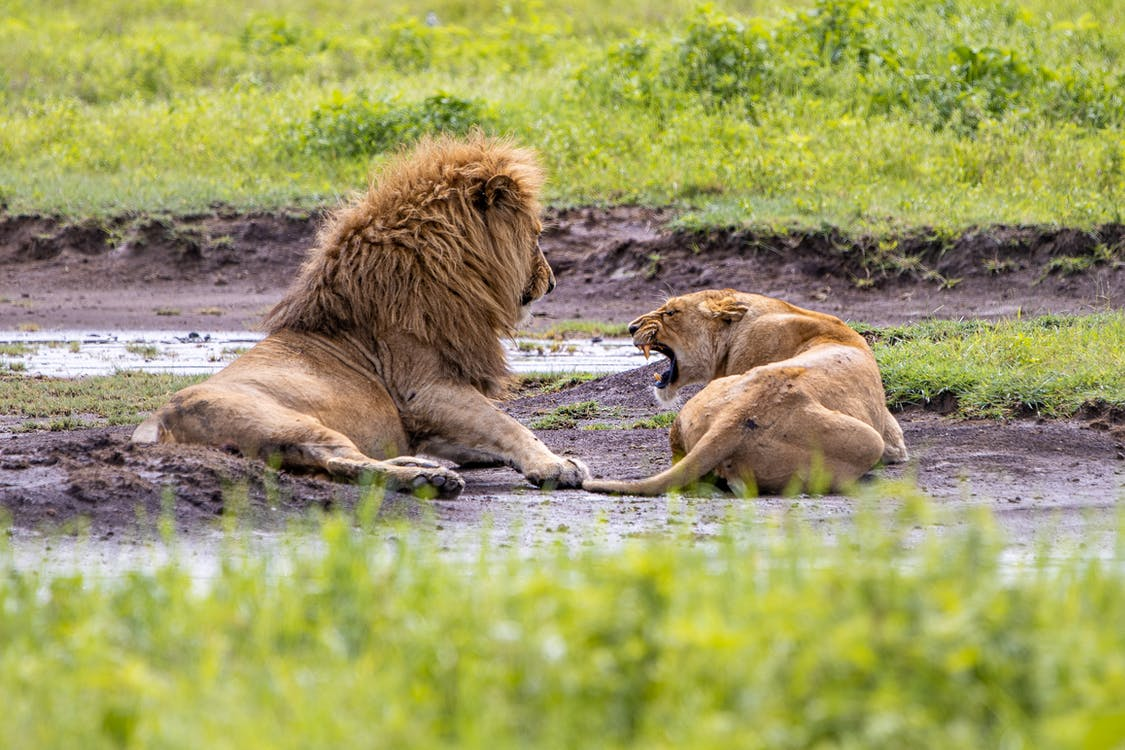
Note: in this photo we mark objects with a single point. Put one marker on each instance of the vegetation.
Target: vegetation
(852, 113)
(570, 329)
(533, 383)
(657, 421)
(145, 351)
(17, 349)
(123, 398)
(567, 416)
(1049, 366)
(761, 637)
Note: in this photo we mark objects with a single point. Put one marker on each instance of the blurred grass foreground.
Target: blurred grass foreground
(887, 636)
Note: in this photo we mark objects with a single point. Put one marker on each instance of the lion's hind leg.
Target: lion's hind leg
(817, 449)
(269, 431)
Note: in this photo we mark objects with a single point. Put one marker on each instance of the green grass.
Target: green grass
(1049, 366)
(17, 349)
(123, 398)
(568, 416)
(860, 114)
(534, 383)
(656, 422)
(570, 329)
(145, 351)
(763, 637)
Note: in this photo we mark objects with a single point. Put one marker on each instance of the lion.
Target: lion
(793, 400)
(388, 342)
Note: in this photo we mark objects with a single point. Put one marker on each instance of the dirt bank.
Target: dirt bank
(221, 271)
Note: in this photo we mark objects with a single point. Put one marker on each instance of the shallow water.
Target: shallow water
(77, 353)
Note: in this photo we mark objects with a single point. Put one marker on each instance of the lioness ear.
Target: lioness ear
(728, 309)
(497, 190)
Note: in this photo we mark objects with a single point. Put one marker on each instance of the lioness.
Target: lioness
(388, 342)
(794, 399)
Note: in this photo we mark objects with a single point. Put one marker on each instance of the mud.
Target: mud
(221, 271)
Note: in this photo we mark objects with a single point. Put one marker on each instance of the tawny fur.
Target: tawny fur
(388, 261)
(793, 399)
(388, 341)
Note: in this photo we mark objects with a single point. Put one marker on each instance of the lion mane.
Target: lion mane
(388, 261)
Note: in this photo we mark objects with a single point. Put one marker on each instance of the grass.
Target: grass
(571, 329)
(535, 383)
(656, 422)
(145, 351)
(1049, 366)
(567, 416)
(859, 114)
(764, 636)
(17, 349)
(123, 398)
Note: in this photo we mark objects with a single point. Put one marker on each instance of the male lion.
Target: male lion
(794, 398)
(388, 341)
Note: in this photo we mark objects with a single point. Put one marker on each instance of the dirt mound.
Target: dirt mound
(612, 264)
(983, 273)
(95, 477)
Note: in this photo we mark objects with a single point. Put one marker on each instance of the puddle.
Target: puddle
(71, 354)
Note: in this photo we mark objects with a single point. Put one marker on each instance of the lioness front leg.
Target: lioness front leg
(461, 419)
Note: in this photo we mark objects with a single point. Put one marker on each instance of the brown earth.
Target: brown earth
(223, 270)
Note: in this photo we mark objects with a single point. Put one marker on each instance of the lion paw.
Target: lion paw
(405, 474)
(566, 472)
(445, 483)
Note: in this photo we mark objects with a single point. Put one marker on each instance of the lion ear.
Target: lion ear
(497, 190)
(728, 309)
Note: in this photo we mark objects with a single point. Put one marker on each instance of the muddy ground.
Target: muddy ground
(221, 271)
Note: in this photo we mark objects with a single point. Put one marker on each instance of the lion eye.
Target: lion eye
(670, 313)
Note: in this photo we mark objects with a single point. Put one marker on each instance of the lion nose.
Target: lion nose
(633, 328)
(550, 283)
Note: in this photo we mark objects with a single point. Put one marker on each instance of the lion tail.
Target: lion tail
(701, 459)
(149, 431)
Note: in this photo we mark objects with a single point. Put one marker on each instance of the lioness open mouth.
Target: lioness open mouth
(666, 377)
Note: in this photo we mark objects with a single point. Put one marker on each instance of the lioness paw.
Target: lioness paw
(566, 472)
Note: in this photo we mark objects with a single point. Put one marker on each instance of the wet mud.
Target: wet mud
(222, 271)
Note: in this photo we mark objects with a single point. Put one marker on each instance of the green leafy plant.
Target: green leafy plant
(352, 125)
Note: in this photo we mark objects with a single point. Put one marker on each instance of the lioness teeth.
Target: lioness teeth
(657, 377)
(646, 349)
